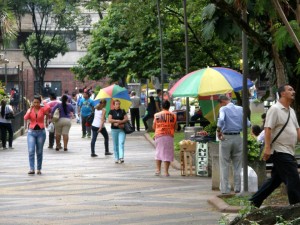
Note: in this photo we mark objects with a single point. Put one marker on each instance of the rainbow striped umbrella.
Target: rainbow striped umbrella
(209, 81)
(111, 93)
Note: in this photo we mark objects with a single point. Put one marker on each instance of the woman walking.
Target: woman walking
(63, 125)
(164, 125)
(151, 108)
(98, 126)
(36, 134)
(5, 125)
(117, 117)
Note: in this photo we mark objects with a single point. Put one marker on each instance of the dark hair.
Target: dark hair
(151, 99)
(256, 130)
(281, 89)
(3, 105)
(38, 97)
(64, 100)
(166, 105)
(223, 98)
(52, 95)
(158, 91)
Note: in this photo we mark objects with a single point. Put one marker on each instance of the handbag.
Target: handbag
(9, 116)
(90, 118)
(128, 128)
(56, 115)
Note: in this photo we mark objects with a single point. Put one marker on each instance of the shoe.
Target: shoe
(157, 173)
(108, 153)
(4, 148)
(83, 136)
(94, 155)
(117, 161)
(65, 149)
(89, 136)
(11, 147)
(51, 147)
(57, 148)
(31, 172)
(38, 172)
(121, 160)
(167, 175)
(237, 192)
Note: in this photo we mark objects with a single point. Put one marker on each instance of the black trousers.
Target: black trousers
(4, 128)
(135, 117)
(145, 118)
(285, 169)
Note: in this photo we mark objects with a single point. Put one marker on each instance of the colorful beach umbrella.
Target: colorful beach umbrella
(209, 106)
(111, 93)
(209, 81)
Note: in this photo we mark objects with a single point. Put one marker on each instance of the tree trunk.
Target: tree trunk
(298, 12)
(279, 67)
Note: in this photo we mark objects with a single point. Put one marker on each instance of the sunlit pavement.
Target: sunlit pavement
(75, 188)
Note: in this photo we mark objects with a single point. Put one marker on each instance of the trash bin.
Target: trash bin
(189, 131)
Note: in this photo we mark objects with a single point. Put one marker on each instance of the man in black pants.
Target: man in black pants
(282, 150)
(135, 110)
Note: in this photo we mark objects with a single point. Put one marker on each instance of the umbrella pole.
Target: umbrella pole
(213, 106)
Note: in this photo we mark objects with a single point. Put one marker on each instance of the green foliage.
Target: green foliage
(253, 149)
(211, 129)
(282, 37)
(45, 49)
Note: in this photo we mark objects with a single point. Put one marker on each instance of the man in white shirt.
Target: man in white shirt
(135, 111)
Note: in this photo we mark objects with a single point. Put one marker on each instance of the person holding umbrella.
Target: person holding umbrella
(117, 117)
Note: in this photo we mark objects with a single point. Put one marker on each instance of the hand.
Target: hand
(220, 135)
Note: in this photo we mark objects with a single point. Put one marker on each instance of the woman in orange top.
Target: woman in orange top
(164, 125)
(36, 134)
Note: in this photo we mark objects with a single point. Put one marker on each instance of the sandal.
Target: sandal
(157, 173)
(57, 148)
(65, 149)
(31, 172)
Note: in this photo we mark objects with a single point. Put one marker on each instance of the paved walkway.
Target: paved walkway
(79, 190)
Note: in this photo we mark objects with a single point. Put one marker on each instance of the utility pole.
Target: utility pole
(161, 47)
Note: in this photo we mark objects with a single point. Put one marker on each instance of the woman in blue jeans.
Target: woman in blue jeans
(98, 127)
(36, 134)
(117, 117)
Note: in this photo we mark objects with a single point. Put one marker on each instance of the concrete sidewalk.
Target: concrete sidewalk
(77, 189)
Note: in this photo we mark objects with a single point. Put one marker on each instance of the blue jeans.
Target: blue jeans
(285, 169)
(94, 138)
(35, 142)
(118, 138)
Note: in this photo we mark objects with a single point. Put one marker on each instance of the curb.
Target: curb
(222, 206)
(175, 164)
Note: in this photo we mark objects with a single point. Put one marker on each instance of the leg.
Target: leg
(287, 168)
(237, 158)
(39, 148)
(51, 139)
(115, 139)
(89, 131)
(138, 119)
(83, 121)
(3, 134)
(10, 134)
(66, 140)
(132, 118)
(31, 142)
(158, 166)
(167, 165)
(122, 137)
(106, 139)
(94, 138)
(224, 160)
(57, 138)
(145, 118)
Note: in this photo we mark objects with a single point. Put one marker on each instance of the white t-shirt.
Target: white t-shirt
(8, 109)
(97, 118)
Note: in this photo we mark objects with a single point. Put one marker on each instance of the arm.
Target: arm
(267, 151)
(157, 106)
(102, 119)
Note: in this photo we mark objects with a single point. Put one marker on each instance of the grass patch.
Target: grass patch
(236, 200)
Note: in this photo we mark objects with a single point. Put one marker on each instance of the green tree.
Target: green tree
(55, 23)
(8, 28)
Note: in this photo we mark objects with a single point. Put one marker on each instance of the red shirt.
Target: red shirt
(37, 118)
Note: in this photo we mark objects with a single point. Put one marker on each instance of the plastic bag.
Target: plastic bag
(50, 127)
(252, 180)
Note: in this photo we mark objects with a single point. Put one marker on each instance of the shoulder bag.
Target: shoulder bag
(56, 115)
(9, 115)
(275, 138)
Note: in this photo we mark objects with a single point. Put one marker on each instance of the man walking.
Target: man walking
(85, 109)
(281, 135)
(135, 110)
(229, 126)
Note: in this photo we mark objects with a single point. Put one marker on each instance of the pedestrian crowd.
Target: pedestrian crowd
(277, 136)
